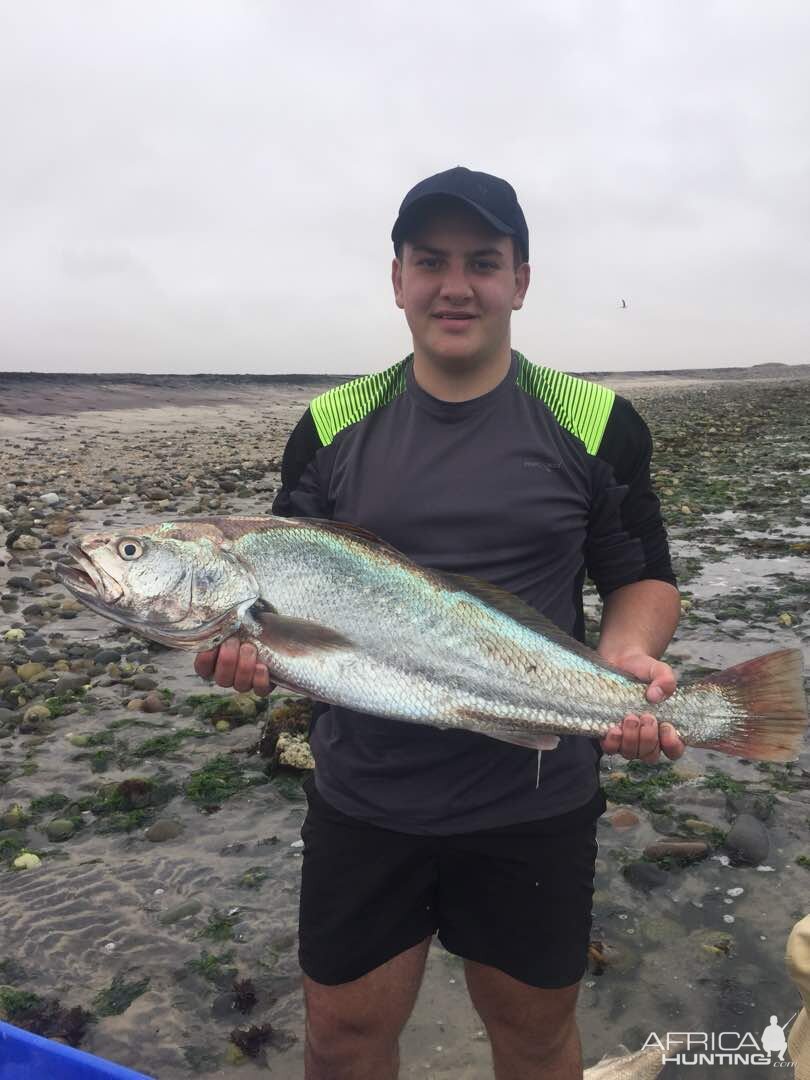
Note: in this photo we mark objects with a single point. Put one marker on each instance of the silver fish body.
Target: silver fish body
(339, 615)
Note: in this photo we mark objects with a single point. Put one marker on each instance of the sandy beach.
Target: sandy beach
(151, 898)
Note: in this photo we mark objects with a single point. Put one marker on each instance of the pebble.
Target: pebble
(701, 828)
(758, 803)
(8, 677)
(688, 850)
(69, 682)
(747, 842)
(181, 911)
(13, 816)
(154, 702)
(25, 542)
(140, 682)
(19, 582)
(31, 671)
(50, 498)
(163, 830)
(14, 635)
(60, 829)
(34, 713)
(624, 819)
(645, 876)
(16, 836)
(107, 656)
(27, 861)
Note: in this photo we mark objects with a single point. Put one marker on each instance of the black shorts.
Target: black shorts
(517, 897)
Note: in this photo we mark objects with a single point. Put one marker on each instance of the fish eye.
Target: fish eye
(130, 549)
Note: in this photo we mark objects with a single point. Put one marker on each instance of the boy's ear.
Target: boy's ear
(396, 281)
(522, 278)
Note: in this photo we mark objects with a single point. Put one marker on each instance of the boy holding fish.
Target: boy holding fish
(469, 459)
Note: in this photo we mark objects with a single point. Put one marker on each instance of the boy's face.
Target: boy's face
(458, 286)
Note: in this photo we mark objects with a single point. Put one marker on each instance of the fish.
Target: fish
(624, 1065)
(339, 615)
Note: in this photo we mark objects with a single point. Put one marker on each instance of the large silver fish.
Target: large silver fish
(339, 615)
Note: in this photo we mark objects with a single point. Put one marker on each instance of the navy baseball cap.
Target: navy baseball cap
(491, 197)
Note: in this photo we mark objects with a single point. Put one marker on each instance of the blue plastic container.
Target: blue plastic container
(24, 1056)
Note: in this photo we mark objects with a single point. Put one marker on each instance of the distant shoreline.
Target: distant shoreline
(757, 371)
(28, 394)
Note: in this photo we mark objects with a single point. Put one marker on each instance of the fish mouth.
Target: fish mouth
(85, 581)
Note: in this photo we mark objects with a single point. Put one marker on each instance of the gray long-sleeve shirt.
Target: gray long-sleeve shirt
(528, 487)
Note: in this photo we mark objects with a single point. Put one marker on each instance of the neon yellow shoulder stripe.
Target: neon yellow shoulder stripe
(343, 405)
(579, 406)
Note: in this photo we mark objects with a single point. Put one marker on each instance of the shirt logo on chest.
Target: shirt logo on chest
(541, 463)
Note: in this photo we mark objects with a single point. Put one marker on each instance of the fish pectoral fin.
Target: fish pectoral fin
(297, 637)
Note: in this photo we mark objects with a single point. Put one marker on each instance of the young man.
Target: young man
(469, 459)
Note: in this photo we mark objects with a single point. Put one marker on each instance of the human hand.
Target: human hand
(640, 735)
(235, 663)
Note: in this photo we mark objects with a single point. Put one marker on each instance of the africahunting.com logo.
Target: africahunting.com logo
(725, 1047)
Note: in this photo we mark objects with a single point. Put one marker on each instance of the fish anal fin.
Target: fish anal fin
(532, 740)
(541, 741)
(297, 637)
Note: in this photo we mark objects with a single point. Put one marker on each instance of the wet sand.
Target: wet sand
(220, 898)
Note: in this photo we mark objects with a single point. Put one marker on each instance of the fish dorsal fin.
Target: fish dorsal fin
(346, 531)
(509, 604)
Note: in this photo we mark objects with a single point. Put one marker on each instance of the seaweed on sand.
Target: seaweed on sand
(45, 1016)
(119, 995)
(250, 1040)
(219, 779)
(642, 784)
(244, 995)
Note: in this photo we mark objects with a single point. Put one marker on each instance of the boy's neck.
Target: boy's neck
(470, 379)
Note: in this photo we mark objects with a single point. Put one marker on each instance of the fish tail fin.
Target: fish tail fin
(771, 693)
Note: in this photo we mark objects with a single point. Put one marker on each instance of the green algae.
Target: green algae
(16, 1003)
(716, 780)
(253, 878)
(212, 967)
(119, 995)
(46, 804)
(57, 705)
(642, 784)
(161, 745)
(219, 779)
(220, 925)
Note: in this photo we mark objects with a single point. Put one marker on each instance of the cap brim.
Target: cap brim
(491, 219)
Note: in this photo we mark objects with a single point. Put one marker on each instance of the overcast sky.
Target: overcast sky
(210, 186)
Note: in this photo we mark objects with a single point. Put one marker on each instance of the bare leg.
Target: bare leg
(533, 1032)
(353, 1029)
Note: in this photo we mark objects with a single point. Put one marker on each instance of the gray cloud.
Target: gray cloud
(211, 186)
